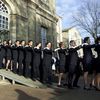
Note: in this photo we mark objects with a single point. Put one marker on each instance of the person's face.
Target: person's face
(49, 45)
(4, 42)
(30, 43)
(62, 45)
(73, 44)
(99, 42)
(23, 43)
(88, 41)
(39, 45)
(10, 41)
(17, 43)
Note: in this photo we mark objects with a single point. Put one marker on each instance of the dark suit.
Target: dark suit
(87, 57)
(21, 53)
(97, 64)
(14, 58)
(47, 65)
(62, 60)
(28, 61)
(2, 54)
(73, 61)
(36, 63)
(9, 52)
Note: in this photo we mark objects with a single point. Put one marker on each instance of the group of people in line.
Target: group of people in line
(37, 62)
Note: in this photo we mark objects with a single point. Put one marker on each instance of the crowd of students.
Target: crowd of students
(37, 63)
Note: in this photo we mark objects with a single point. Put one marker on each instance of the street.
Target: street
(19, 92)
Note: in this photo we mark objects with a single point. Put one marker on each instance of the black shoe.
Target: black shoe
(34, 79)
(76, 86)
(92, 86)
(70, 87)
(6, 69)
(86, 88)
(65, 84)
(59, 85)
(97, 89)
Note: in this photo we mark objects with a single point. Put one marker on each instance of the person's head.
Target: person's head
(22, 43)
(72, 43)
(38, 44)
(61, 45)
(4, 42)
(98, 40)
(30, 42)
(9, 42)
(49, 45)
(87, 40)
(17, 42)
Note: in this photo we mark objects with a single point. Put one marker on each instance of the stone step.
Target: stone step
(4, 82)
(19, 79)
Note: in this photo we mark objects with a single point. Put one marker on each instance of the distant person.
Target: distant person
(62, 61)
(97, 80)
(73, 65)
(47, 64)
(28, 59)
(21, 56)
(87, 61)
(9, 55)
(36, 61)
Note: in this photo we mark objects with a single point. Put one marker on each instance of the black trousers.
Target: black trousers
(36, 70)
(1, 61)
(74, 70)
(27, 69)
(20, 66)
(14, 68)
(47, 74)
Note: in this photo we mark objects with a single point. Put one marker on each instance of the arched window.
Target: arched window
(4, 17)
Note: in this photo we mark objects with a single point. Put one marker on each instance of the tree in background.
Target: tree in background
(87, 17)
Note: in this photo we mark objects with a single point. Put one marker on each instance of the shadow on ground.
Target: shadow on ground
(24, 96)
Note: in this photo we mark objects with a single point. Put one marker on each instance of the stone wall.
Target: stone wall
(27, 17)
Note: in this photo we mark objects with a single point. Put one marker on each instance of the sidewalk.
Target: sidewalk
(19, 92)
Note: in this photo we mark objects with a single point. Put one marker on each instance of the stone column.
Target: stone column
(13, 27)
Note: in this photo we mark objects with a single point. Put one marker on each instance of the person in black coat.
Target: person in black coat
(3, 54)
(28, 59)
(87, 60)
(21, 56)
(61, 53)
(15, 56)
(8, 55)
(97, 79)
(47, 64)
(73, 64)
(36, 61)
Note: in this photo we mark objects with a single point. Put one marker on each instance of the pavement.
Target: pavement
(20, 92)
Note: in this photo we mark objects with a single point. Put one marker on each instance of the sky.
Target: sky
(66, 9)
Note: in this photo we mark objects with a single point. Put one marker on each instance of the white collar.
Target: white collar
(36, 48)
(47, 48)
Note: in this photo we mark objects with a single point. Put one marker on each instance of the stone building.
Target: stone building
(59, 30)
(28, 19)
(72, 34)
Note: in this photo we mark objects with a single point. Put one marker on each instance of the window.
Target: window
(45, 1)
(43, 36)
(4, 17)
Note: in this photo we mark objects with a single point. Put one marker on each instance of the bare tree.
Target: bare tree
(88, 17)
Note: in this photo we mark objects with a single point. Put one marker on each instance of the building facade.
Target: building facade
(72, 34)
(28, 19)
(59, 30)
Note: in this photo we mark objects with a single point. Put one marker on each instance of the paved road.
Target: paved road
(18, 92)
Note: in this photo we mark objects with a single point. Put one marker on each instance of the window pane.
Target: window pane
(3, 16)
